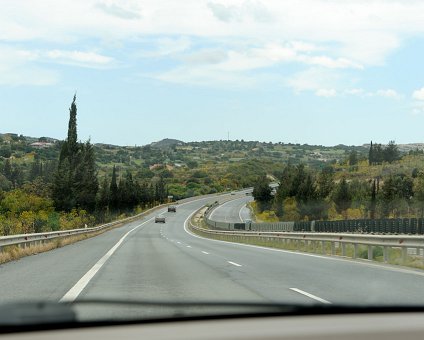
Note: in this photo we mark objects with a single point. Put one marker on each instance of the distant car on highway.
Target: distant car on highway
(160, 219)
(172, 208)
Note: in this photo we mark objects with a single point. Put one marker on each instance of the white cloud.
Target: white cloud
(167, 47)
(389, 93)
(314, 79)
(418, 94)
(253, 10)
(326, 93)
(329, 62)
(16, 69)
(355, 91)
(358, 30)
(317, 33)
(205, 56)
(118, 10)
(206, 76)
(80, 58)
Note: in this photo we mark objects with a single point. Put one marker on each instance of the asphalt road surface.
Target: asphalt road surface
(232, 211)
(144, 260)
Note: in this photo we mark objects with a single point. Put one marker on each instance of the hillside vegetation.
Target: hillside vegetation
(388, 186)
(47, 184)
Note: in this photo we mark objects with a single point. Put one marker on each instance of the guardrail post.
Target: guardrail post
(386, 254)
(355, 250)
(343, 249)
(333, 248)
(369, 252)
(404, 254)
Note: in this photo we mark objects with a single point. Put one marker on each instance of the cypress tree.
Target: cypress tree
(373, 200)
(371, 155)
(75, 182)
(72, 141)
(114, 194)
(85, 184)
(104, 195)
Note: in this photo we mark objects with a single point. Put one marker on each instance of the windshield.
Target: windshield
(218, 154)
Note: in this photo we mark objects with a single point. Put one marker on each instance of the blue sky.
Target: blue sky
(317, 72)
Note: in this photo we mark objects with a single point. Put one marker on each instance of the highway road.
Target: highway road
(233, 211)
(144, 260)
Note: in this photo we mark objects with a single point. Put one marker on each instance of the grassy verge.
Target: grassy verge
(395, 254)
(264, 216)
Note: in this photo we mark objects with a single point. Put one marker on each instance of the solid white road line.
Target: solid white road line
(241, 218)
(76, 290)
(205, 252)
(314, 297)
(234, 264)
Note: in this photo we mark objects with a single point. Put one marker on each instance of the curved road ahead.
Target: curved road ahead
(232, 211)
(144, 260)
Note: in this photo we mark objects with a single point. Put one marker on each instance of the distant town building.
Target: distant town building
(41, 145)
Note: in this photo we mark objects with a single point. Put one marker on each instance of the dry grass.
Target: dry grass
(12, 253)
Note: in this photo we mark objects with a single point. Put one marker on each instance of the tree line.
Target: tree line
(378, 154)
(76, 184)
(307, 194)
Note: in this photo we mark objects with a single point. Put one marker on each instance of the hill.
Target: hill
(166, 143)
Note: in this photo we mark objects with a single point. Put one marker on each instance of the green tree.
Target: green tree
(72, 141)
(75, 183)
(391, 152)
(325, 182)
(86, 184)
(342, 197)
(353, 158)
(113, 189)
(160, 190)
(373, 202)
(419, 191)
(397, 192)
(371, 155)
(7, 169)
(262, 192)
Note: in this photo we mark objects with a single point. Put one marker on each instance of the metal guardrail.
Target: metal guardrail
(26, 240)
(250, 226)
(396, 226)
(317, 241)
(338, 239)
